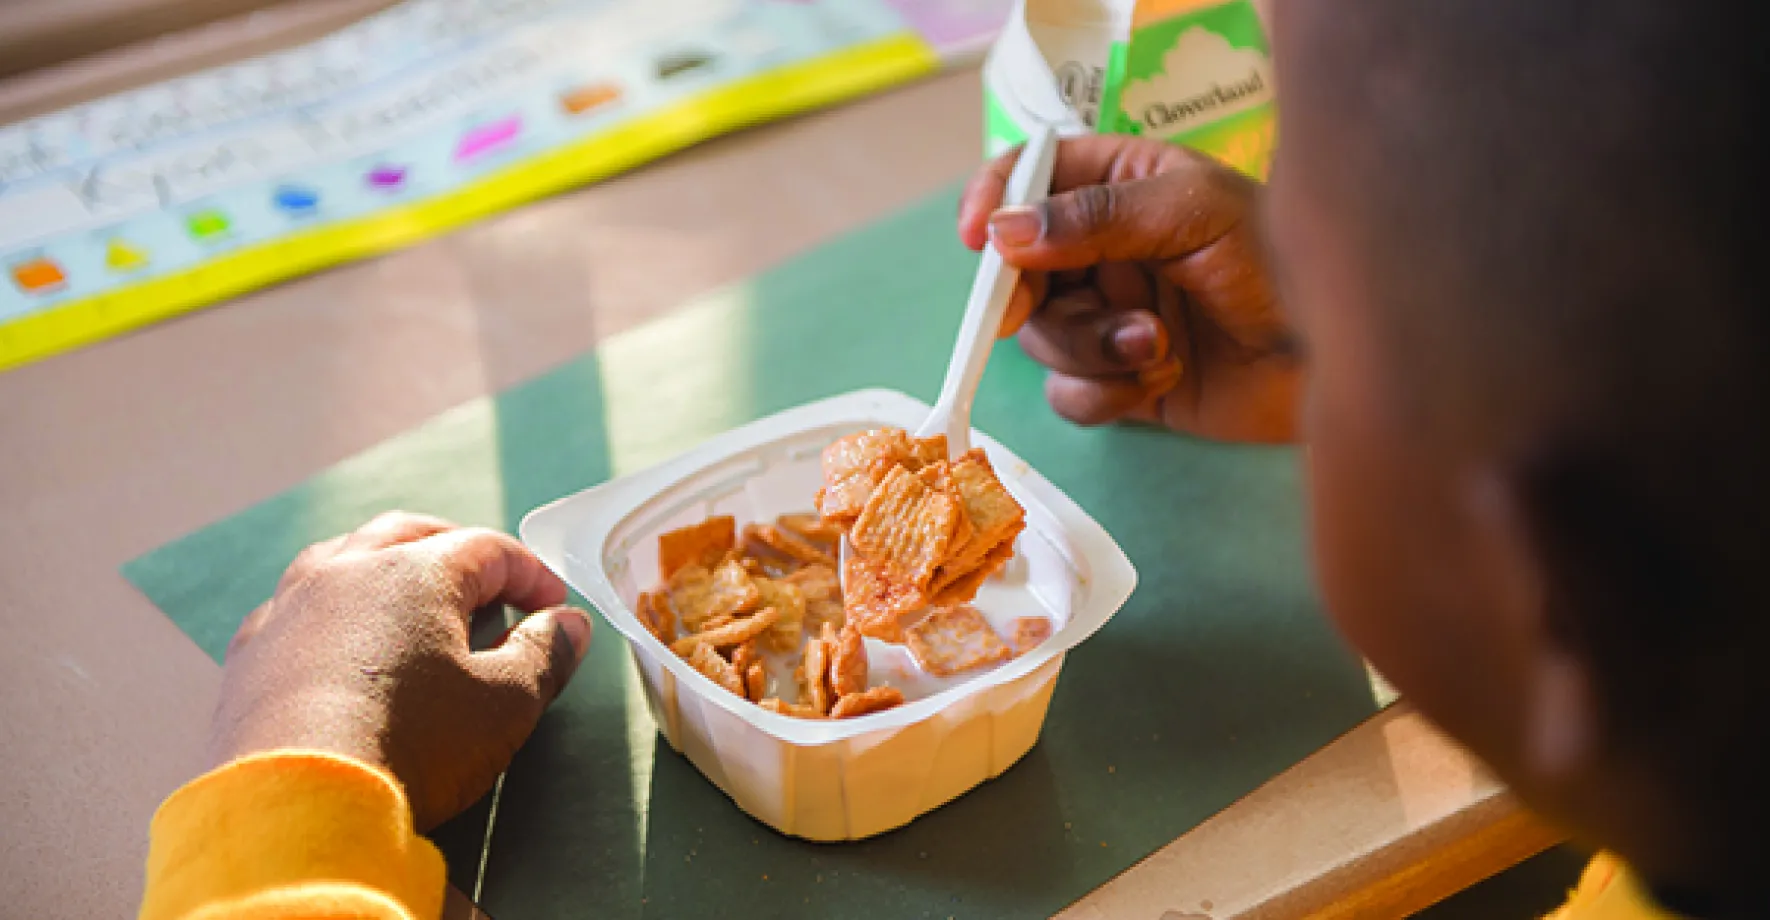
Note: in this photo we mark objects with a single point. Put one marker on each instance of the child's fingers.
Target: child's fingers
(1028, 294)
(1081, 161)
(465, 734)
(1125, 285)
(1162, 217)
(487, 567)
(304, 562)
(1097, 401)
(982, 195)
(1078, 335)
(249, 627)
(391, 528)
(539, 654)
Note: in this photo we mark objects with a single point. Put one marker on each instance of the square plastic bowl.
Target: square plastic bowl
(850, 778)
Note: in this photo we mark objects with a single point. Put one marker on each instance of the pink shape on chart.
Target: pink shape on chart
(387, 176)
(488, 137)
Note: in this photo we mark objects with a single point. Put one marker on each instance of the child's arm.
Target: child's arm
(1145, 289)
(352, 714)
(291, 834)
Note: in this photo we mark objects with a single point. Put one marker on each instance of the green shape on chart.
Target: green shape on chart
(208, 224)
(1218, 673)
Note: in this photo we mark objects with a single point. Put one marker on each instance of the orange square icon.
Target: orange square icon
(586, 98)
(38, 275)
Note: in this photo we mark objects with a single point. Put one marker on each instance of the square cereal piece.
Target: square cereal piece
(853, 465)
(827, 610)
(1029, 632)
(953, 640)
(736, 632)
(812, 529)
(735, 589)
(816, 582)
(856, 452)
(878, 699)
(703, 544)
(964, 588)
(789, 602)
(848, 660)
(974, 554)
(938, 476)
(786, 544)
(653, 612)
(763, 562)
(995, 518)
(926, 452)
(814, 677)
(823, 596)
(795, 710)
(697, 596)
(841, 501)
(704, 659)
(756, 681)
(742, 657)
(874, 602)
(688, 595)
(992, 510)
(718, 622)
(909, 526)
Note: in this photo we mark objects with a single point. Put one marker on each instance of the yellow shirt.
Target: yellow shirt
(1608, 891)
(291, 834)
(315, 836)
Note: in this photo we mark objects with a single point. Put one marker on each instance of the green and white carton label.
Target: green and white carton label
(1193, 72)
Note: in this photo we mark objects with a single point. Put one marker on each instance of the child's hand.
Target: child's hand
(1145, 290)
(363, 651)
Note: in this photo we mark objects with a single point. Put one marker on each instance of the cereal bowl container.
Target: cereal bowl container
(842, 779)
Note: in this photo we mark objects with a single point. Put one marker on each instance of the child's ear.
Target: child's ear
(1530, 593)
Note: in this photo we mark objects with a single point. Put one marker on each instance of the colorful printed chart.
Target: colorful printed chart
(160, 200)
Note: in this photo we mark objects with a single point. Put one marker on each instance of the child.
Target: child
(1537, 383)
(1516, 237)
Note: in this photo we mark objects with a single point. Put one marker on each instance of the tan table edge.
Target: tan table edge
(1387, 820)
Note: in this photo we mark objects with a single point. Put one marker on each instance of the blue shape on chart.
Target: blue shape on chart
(297, 199)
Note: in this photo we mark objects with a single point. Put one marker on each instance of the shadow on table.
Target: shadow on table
(1531, 889)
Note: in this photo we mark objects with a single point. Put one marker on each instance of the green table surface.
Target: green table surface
(1219, 672)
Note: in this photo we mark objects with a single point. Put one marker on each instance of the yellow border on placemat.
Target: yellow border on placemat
(776, 94)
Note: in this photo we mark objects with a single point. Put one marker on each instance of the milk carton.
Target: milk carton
(1193, 72)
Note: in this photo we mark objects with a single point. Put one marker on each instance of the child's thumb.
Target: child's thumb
(541, 652)
(1161, 217)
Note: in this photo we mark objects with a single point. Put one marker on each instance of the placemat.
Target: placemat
(173, 196)
(1218, 674)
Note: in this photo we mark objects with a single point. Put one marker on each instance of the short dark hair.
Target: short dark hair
(1568, 199)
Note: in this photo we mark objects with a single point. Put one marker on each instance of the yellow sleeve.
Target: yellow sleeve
(291, 834)
(1608, 891)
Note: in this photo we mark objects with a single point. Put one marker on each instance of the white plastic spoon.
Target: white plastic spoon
(1028, 183)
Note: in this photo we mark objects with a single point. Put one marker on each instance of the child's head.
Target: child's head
(1522, 240)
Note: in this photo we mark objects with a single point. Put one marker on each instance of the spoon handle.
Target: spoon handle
(1029, 183)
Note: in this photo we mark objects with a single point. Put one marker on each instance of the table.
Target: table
(113, 450)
